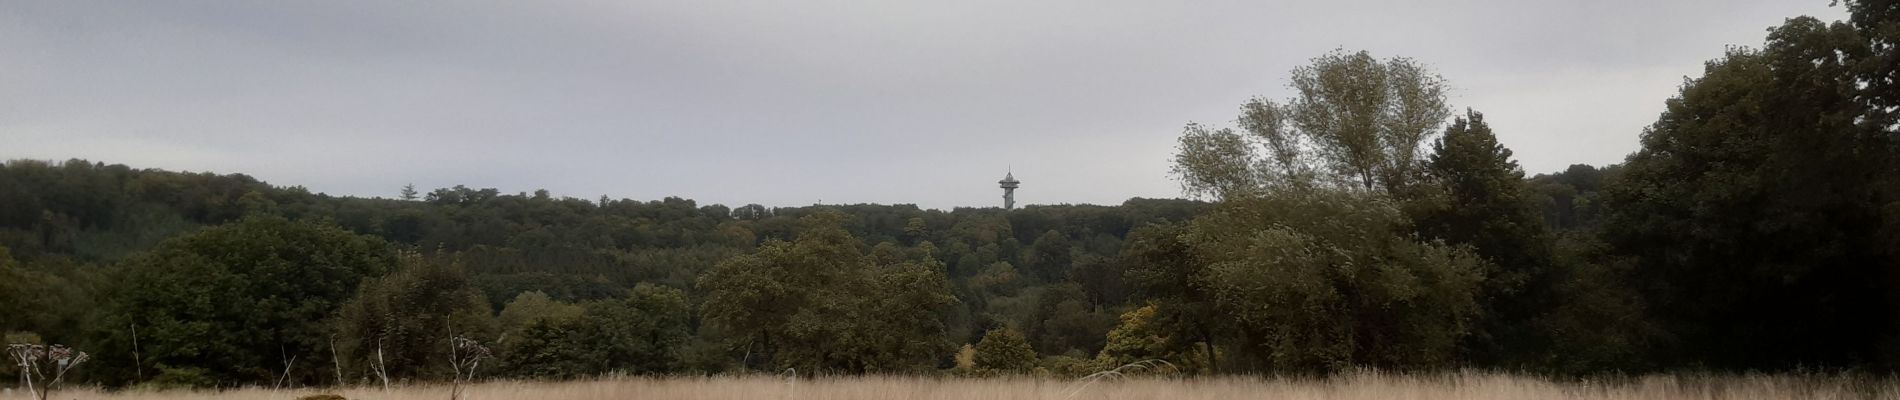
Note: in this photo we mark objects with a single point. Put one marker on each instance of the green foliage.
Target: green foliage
(1367, 117)
(1165, 270)
(643, 333)
(1600, 322)
(235, 301)
(1137, 338)
(1309, 251)
(77, 217)
(1571, 199)
(21, 292)
(48, 298)
(530, 308)
(998, 279)
(1003, 351)
(63, 208)
(405, 319)
(1326, 280)
(1878, 24)
(1101, 279)
(1481, 203)
(1356, 122)
(1067, 366)
(911, 302)
(547, 349)
(1485, 205)
(819, 303)
(1049, 256)
(1754, 212)
(1141, 337)
(1063, 322)
(1220, 163)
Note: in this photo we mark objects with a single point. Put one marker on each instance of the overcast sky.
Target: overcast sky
(796, 102)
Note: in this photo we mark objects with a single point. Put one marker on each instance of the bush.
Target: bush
(1326, 280)
(1003, 351)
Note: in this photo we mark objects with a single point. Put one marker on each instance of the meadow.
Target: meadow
(1363, 385)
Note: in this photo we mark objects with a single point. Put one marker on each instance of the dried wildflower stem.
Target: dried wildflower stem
(464, 356)
(138, 363)
(382, 371)
(336, 362)
(35, 360)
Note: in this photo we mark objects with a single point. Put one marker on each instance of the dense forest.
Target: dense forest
(225, 277)
(1362, 222)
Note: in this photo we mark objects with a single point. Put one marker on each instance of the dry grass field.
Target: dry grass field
(1352, 386)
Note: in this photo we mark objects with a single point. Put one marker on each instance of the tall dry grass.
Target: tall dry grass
(1366, 385)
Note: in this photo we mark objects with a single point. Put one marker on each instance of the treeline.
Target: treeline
(225, 278)
(1347, 226)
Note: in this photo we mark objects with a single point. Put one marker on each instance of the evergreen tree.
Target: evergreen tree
(1483, 206)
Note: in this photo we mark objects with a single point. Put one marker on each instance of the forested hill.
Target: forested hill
(85, 212)
(80, 222)
(79, 232)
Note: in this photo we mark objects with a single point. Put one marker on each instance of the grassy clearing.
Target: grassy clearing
(1351, 386)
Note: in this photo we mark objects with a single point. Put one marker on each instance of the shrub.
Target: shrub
(1004, 351)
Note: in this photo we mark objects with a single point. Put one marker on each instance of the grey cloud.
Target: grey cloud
(790, 103)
